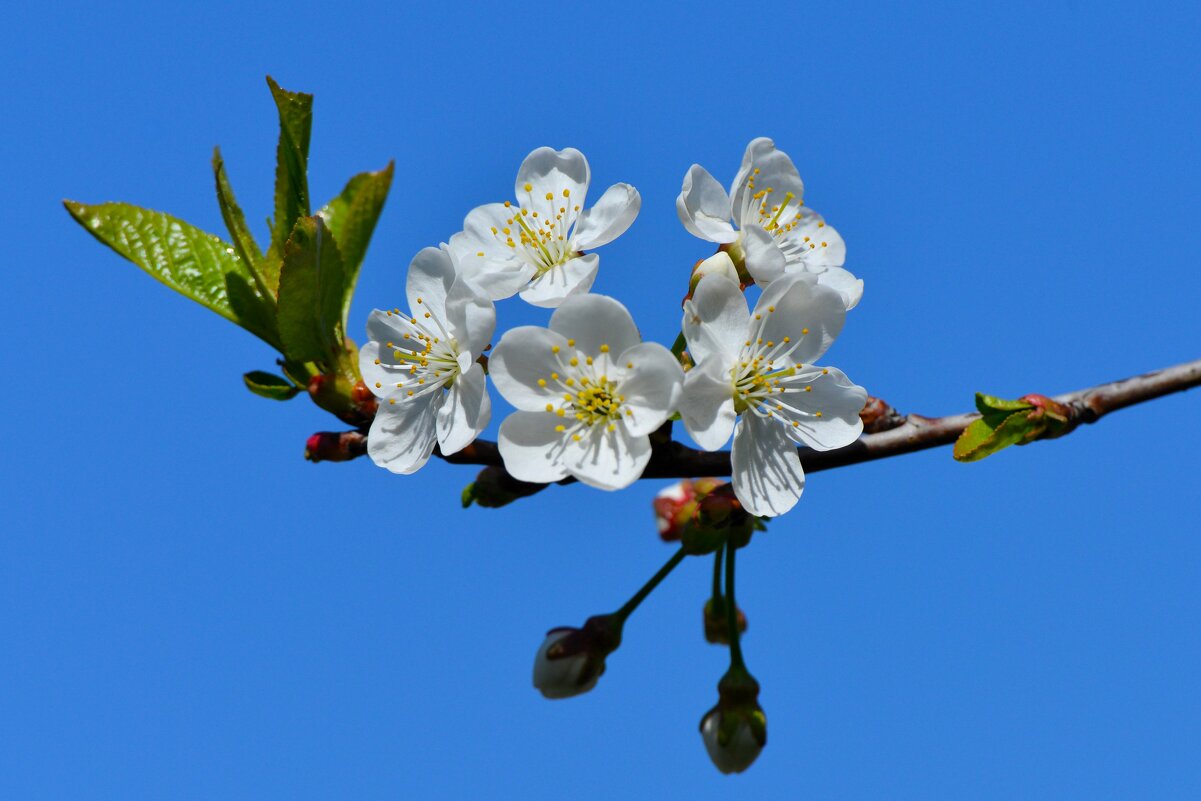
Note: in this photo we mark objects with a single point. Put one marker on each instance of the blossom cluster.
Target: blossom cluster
(587, 391)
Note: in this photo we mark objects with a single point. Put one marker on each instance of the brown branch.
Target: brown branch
(908, 434)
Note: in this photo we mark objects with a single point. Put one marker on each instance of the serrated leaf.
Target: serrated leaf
(196, 264)
(310, 300)
(269, 385)
(351, 218)
(266, 276)
(291, 161)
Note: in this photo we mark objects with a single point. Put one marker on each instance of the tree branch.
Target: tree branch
(900, 434)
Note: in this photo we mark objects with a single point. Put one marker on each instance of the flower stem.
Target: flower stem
(732, 612)
(717, 572)
(648, 588)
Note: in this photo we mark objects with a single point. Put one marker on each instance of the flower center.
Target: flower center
(540, 230)
(426, 354)
(590, 396)
(762, 366)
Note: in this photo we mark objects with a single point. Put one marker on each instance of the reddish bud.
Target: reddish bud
(333, 446)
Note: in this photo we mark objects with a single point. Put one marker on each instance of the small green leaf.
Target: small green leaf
(239, 232)
(467, 496)
(291, 161)
(310, 299)
(269, 385)
(196, 264)
(351, 218)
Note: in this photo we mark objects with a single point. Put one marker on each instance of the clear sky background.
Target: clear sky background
(188, 610)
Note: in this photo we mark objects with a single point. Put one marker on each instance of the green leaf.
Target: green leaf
(981, 439)
(291, 162)
(196, 264)
(266, 279)
(310, 294)
(351, 218)
(268, 385)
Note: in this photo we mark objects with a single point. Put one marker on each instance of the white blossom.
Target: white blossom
(422, 366)
(755, 377)
(588, 393)
(764, 218)
(536, 245)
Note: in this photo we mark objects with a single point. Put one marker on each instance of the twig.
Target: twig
(913, 433)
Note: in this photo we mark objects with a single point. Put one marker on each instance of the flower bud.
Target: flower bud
(333, 446)
(735, 731)
(571, 661)
(719, 263)
(733, 748)
(717, 624)
(674, 506)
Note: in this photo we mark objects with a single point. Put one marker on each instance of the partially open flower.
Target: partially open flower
(571, 661)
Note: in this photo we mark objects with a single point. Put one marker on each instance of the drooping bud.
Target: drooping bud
(717, 624)
(735, 731)
(571, 661)
(335, 446)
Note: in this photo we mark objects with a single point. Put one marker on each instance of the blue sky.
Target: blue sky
(188, 610)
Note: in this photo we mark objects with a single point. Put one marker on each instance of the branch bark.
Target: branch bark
(909, 434)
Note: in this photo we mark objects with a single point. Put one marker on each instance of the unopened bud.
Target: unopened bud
(334, 446)
(571, 661)
(717, 622)
(719, 263)
(735, 731)
(364, 400)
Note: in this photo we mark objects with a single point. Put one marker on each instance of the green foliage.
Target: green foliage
(311, 287)
(297, 295)
(196, 264)
(351, 218)
(1011, 422)
(291, 161)
(269, 385)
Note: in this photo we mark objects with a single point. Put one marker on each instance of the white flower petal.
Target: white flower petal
(485, 257)
(608, 460)
(767, 475)
(595, 320)
(715, 319)
(826, 390)
(465, 411)
(844, 283)
(521, 359)
(431, 274)
(814, 243)
(531, 448)
(707, 404)
(403, 434)
(796, 307)
(471, 316)
(777, 176)
(554, 286)
(609, 218)
(650, 386)
(547, 171)
(704, 207)
(764, 259)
